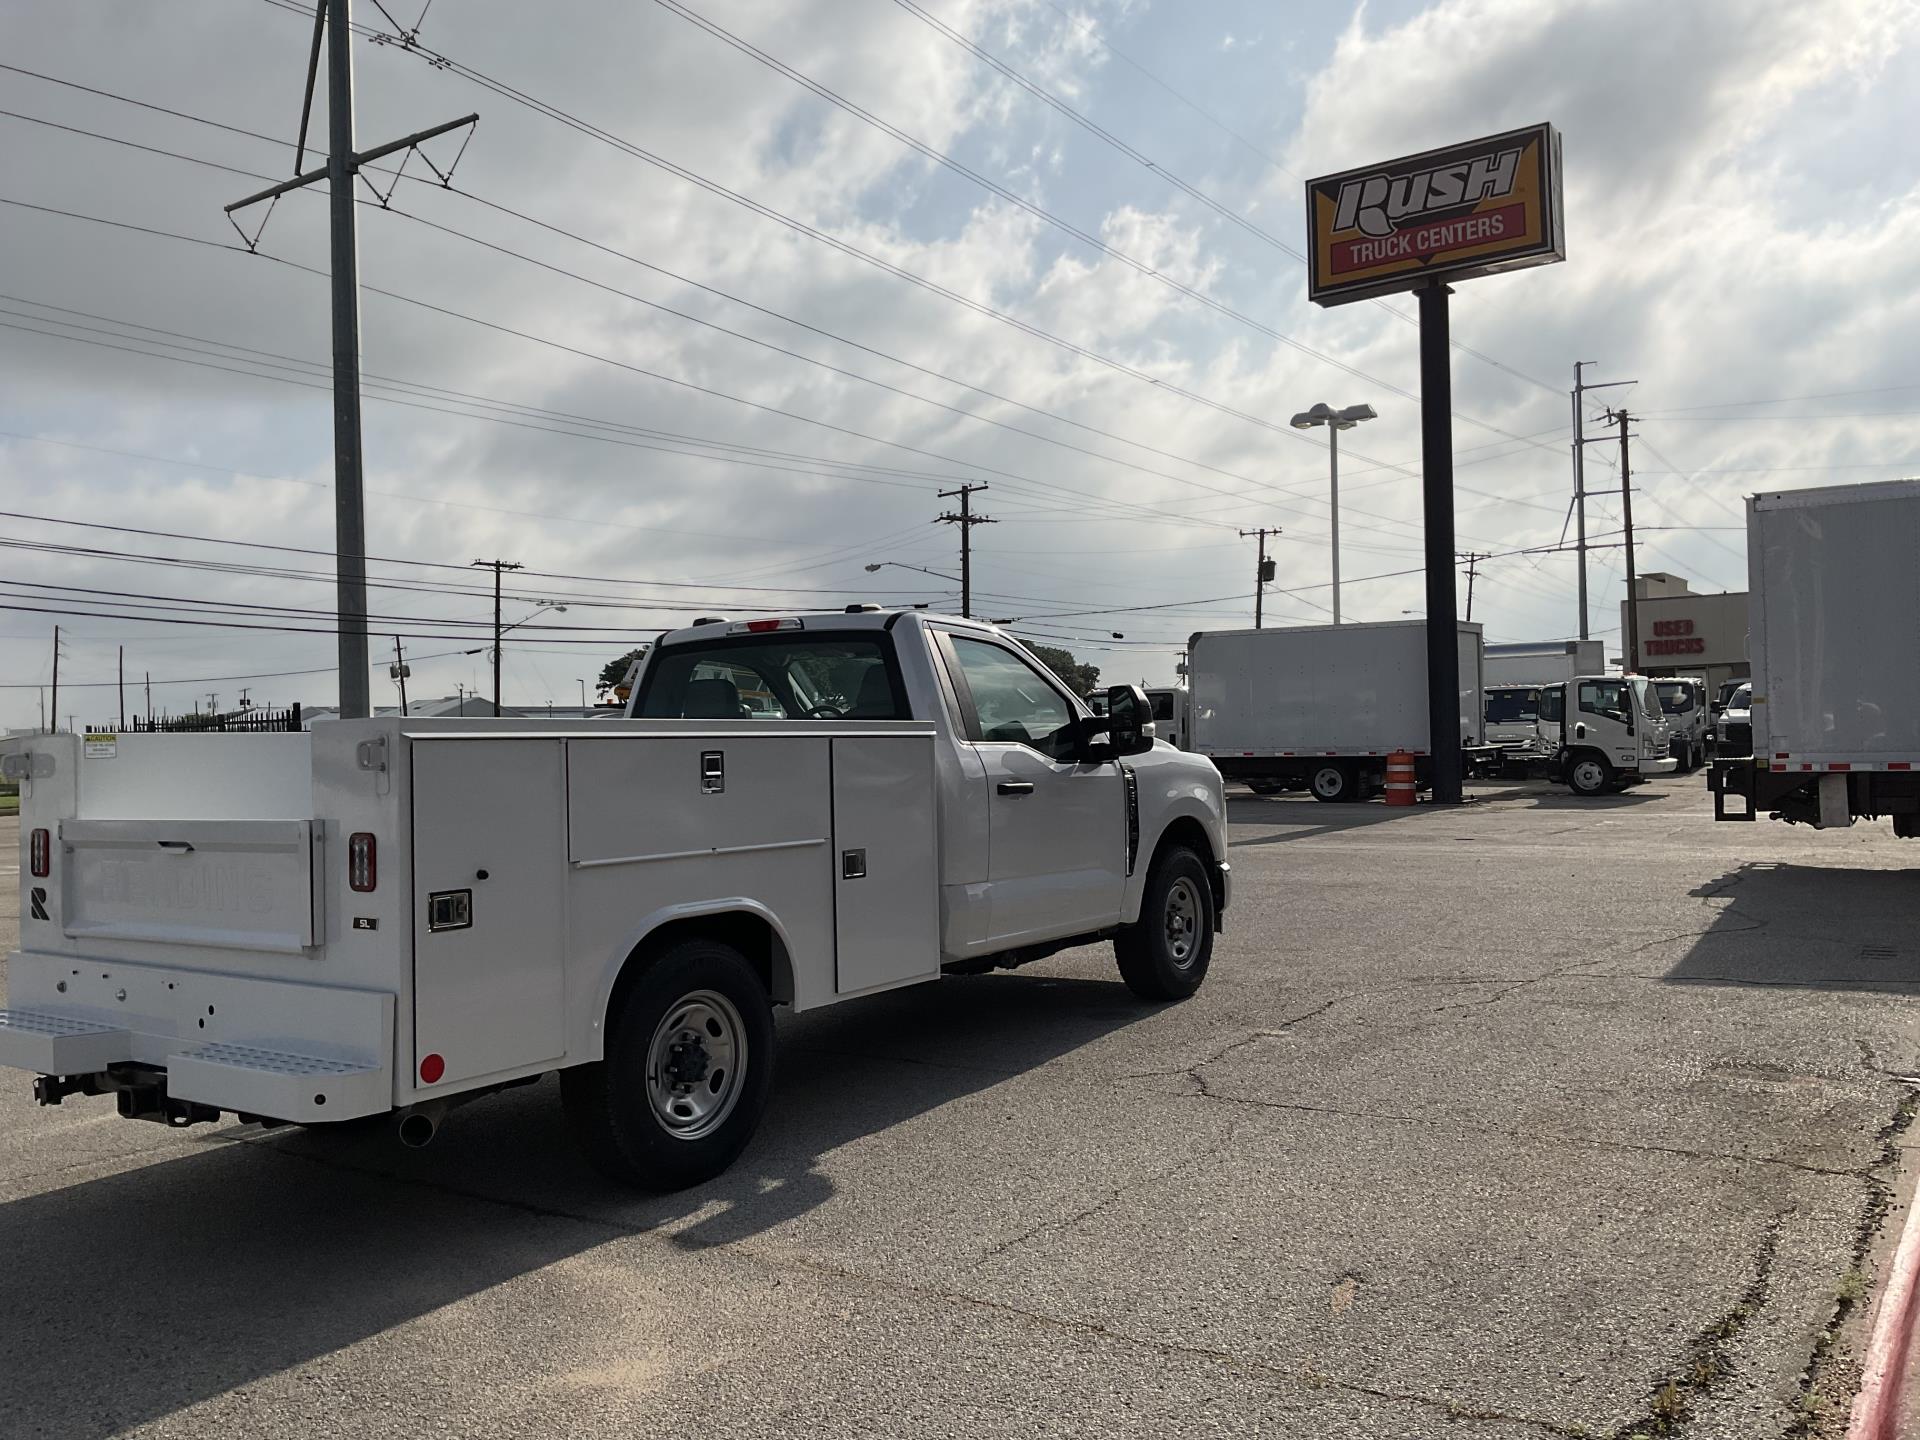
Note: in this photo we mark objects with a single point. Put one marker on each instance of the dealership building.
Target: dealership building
(1685, 633)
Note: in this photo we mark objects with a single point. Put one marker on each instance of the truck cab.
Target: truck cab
(1170, 714)
(1684, 699)
(1513, 722)
(1611, 730)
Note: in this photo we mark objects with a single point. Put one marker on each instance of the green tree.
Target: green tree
(1083, 680)
(613, 672)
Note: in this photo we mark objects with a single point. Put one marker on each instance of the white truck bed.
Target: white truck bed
(199, 920)
(1834, 627)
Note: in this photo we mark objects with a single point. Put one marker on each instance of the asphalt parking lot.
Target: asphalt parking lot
(1536, 1116)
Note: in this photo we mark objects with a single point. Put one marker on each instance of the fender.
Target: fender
(1169, 793)
(590, 1028)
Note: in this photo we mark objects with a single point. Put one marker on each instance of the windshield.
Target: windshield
(753, 678)
(1512, 707)
(1741, 699)
(1649, 702)
(1676, 696)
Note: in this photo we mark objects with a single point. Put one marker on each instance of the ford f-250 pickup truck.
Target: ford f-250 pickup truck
(394, 915)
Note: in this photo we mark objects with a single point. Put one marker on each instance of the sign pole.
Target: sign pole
(1436, 486)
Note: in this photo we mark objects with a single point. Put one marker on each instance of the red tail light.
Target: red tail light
(363, 865)
(40, 854)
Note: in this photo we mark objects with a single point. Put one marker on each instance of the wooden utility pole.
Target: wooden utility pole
(498, 567)
(123, 687)
(56, 677)
(966, 520)
(1632, 637)
(1472, 562)
(1263, 571)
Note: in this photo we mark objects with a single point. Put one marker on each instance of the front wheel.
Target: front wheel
(1164, 955)
(689, 1063)
(1589, 775)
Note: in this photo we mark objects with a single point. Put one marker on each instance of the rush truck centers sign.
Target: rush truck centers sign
(1444, 215)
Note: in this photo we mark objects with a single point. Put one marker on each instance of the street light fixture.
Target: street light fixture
(1335, 421)
(898, 565)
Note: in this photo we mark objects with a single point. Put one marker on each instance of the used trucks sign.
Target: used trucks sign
(1448, 214)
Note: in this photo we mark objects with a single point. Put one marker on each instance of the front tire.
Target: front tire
(1589, 775)
(1164, 955)
(689, 1064)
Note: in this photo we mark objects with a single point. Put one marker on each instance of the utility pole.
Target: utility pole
(1436, 496)
(1473, 570)
(498, 567)
(400, 673)
(123, 687)
(1580, 388)
(56, 676)
(1263, 573)
(340, 172)
(1632, 637)
(966, 520)
(149, 679)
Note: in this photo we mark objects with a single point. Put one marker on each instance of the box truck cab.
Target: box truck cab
(1513, 722)
(1170, 714)
(1610, 730)
(1684, 700)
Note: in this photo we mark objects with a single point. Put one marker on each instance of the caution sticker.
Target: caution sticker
(102, 744)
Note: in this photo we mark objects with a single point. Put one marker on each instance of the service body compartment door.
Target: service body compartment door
(489, 853)
(886, 868)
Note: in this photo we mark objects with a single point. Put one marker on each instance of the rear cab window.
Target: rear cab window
(792, 675)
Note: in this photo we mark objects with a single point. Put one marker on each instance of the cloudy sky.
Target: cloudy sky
(698, 331)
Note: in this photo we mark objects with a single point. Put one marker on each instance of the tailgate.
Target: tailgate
(228, 884)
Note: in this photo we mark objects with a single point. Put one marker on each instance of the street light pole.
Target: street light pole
(1335, 421)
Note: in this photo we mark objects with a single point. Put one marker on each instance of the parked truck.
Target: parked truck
(1321, 707)
(1833, 637)
(392, 916)
(1172, 714)
(1536, 662)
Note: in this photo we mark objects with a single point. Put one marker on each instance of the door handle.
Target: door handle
(1016, 787)
(1580, 731)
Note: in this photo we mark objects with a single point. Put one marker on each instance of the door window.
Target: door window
(1011, 702)
(1553, 705)
(1608, 698)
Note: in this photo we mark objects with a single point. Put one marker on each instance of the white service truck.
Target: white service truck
(1833, 637)
(396, 915)
(1321, 707)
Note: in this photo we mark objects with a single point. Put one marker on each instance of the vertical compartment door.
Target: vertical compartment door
(885, 862)
(489, 854)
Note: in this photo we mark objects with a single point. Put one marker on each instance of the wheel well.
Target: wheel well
(745, 931)
(1189, 832)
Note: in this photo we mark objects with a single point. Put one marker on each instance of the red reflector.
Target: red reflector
(1839, 767)
(1899, 765)
(431, 1069)
(363, 869)
(40, 852)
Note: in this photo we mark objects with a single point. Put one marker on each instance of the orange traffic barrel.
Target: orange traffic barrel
(1400, 783)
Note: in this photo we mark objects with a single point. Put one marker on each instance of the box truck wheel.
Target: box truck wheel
(1333, 782)
(1589, 774)
(689, 1062)
(1164, 955)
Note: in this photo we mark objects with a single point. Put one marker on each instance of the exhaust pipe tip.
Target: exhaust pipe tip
(418, 1129)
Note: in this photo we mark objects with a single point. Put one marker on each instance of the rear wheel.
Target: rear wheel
(1589, 775)
(689, 1063)
(1265, 787)
(1165, 954)
(1333, 782)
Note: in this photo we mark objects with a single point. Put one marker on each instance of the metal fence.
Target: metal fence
(238, 722)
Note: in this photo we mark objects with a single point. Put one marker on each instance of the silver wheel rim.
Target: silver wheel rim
(695, 1064)
(1588, 775)
(1328, 781)
(1183, 922)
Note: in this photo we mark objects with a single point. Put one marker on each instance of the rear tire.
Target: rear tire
(1589, 775)
(1164, 955)
(689, 1064)
(1333, 782)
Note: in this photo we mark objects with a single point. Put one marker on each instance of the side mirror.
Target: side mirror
(1129, 720)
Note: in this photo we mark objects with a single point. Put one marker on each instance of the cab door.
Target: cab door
(1057, 825)
(1603, 719)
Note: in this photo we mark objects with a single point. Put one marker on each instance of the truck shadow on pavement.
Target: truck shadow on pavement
(1783, 926)
(138, 1294)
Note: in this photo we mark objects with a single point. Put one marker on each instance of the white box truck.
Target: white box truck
(396, 915)
(1321, 707)
(1538, 662)
(1833, 636)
